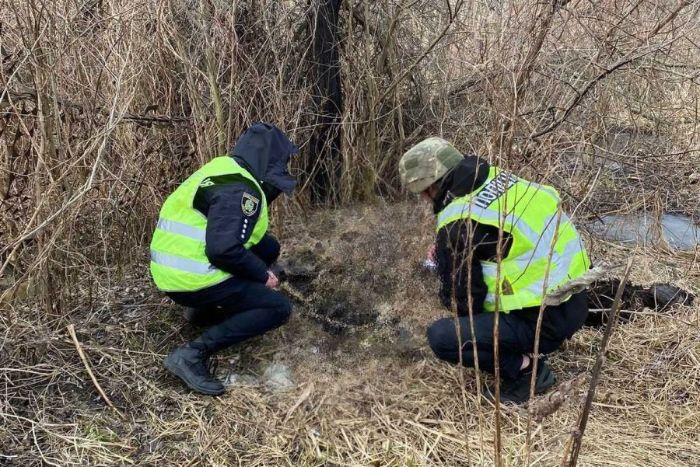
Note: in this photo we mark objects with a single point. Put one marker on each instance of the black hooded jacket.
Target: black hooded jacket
(264, 151)
(461, 245)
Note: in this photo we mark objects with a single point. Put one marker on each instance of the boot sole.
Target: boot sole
(175, 370)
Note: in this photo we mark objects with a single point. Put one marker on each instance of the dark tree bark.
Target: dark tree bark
(325, 161)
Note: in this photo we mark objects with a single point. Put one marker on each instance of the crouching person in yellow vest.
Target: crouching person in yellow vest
(502, 243)
(211, 251)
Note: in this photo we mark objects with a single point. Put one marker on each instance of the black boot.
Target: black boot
(517, 391)
(189, 363)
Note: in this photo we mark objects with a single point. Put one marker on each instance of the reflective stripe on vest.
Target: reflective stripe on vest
(182, 229)
(183, 264)
(530, 213)
(178, 249)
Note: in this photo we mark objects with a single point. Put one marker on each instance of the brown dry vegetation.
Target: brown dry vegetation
(362, 398)
(105, 105)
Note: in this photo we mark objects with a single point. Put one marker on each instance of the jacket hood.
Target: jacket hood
(265, 151)
(467, 177)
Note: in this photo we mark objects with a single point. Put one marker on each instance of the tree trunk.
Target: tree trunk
(325, 163)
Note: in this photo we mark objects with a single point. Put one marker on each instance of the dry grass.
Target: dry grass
(360, 398)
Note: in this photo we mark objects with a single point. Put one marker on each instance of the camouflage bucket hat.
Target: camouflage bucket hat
(427, 162)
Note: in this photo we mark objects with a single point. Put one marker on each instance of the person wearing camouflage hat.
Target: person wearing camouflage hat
(502, 244)
(428, 162)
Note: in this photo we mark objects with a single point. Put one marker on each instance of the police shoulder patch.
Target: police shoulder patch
(249, 204)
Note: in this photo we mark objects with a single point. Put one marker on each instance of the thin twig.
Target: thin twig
(424, 54)
(595, 374)
(78, 347)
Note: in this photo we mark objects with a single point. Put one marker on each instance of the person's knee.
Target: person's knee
(441, 336)
(272, 254)
(268, 249)
(282, 309)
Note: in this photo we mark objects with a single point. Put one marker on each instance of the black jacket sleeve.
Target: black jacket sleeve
(229, 228)
(456, 268)
(268, 249)
(461, 246)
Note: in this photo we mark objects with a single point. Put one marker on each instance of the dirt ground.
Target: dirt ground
(367, 390)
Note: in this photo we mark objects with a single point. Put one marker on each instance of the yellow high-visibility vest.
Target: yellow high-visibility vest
(178, 259)
(546, 250)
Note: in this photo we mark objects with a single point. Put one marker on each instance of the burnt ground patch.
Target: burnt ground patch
(343, 312)
(658, 297)
(325, 296)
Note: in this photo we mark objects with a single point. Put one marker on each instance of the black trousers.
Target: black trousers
(516, 335)
(237, 309)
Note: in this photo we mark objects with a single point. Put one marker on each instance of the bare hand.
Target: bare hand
(272, 281)
(432, 255)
